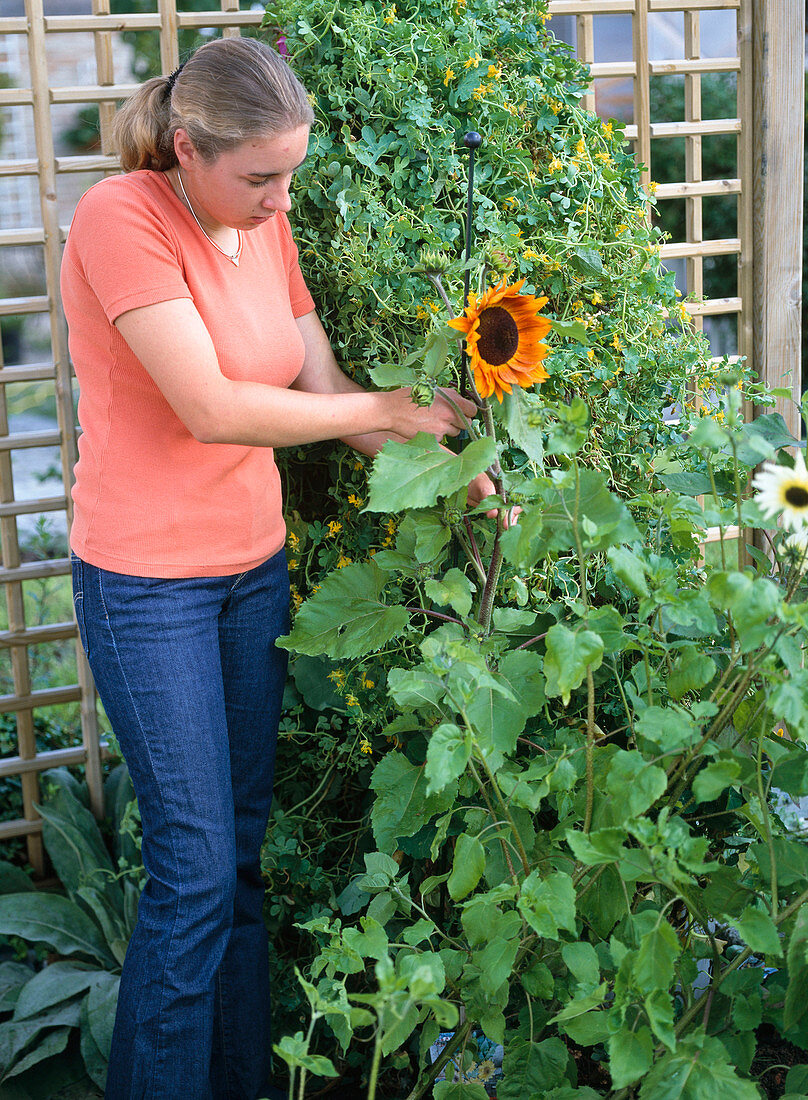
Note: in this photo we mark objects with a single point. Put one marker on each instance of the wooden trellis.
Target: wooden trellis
(766, 302)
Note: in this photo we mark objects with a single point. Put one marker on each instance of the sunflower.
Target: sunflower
(486, 1071)
(783, 491)
(503, 338)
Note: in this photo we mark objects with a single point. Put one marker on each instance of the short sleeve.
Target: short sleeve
(299, 295)
(125, 249)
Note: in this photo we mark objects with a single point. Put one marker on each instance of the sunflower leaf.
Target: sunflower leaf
(572, 330)
(415, 474)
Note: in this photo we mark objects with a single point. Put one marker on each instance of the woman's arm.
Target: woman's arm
(322, 374)
(171, 341)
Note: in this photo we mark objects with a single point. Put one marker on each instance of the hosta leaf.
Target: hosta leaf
(346, 617)
(415, 474)
(54, 983)
(56, 921)
(53, 1043)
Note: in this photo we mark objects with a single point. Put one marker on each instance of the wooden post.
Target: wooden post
(779, 106)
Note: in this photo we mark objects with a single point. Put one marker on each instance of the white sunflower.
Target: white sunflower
(783, 492)
(797, 543)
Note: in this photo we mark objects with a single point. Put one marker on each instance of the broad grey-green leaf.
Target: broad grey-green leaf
(346, 617)
(53, 1043)
(56, 921)
(102, 1002)
(14, 977)
(415, 474)
(94, 1061)
(13, 880)
(54, 983)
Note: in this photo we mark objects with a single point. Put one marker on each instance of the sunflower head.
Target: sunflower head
(783, 492)
(503, 338)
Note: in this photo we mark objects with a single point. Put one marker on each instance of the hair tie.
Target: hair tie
(172, 80)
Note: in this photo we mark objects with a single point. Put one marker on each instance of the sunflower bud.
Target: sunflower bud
(432, 263)
(498, 261)
(423, 393)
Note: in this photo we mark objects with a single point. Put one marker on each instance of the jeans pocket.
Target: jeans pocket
(78, 598)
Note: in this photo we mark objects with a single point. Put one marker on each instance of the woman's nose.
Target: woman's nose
(278, 198)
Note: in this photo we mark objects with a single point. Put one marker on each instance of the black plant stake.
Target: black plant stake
(472, 141)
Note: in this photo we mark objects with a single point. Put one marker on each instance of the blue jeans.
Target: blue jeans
(192, 683)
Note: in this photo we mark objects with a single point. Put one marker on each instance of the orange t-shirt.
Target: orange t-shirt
(150, 499)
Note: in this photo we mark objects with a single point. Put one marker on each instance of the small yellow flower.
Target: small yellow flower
(620, 230)
(355, 500)
(293, 540)
(605, 157)
(556, 165)
(449, 75)
(473, 61)
(577, 306)
(530, 254)
(652, 187)
(511, 201)
(293, 563)
(580, 147)
(480, 91)
(351, 700)
(337, 677)
(334, 526)
(365, 746)
(590, 354)
(494, 72)
(388, 541)
(617, 343)
(684, 312)
(596, 299)
(555, 106)
(391, 526)
(608, 128)
(343, 561)
(368, 684)
(486, 1071)
(391, 15)
(315, 588)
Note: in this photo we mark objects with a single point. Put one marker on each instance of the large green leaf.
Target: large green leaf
(13, 880)
(53, 1043)
(346, 617)
(658, 951)
(568, 656)
(518, 413)
(56, 921)
(530, 1068)
(600, 518)
(634, 784)
(797, 958)
(415, 474)
(548, 904)
(698, 1070)
(497, 719)
(468, 865)
(447, 755)
(14, 977)
(402, 805)
(631, 1054)
(459, 1090)
(95, 1062)
(74, 843)
(102, 1002)
(60, 981)
(17, 1035)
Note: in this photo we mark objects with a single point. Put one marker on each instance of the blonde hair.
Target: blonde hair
(229, 90)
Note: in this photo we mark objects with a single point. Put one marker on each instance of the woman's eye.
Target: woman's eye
(257, 183)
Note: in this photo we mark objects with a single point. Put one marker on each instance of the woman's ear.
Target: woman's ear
(184, 149)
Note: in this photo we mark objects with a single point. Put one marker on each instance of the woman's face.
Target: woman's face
(246, 185)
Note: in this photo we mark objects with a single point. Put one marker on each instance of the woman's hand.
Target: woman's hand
(448, 414)
(480, 488)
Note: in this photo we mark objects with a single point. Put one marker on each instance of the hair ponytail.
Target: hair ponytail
(142, 131)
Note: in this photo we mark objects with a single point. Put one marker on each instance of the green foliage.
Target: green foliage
(86, 933)
(578, 803)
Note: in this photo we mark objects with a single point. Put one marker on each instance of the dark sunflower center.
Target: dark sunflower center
(499, 336)
(796, 496)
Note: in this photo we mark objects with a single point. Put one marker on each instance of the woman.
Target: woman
(197, 350)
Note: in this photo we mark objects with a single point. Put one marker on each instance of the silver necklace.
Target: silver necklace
(232, 256)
